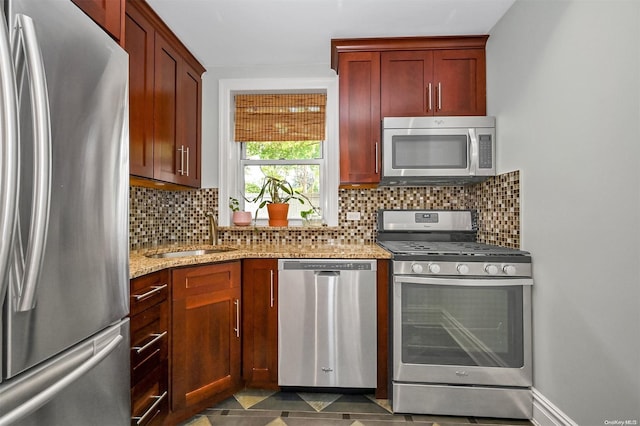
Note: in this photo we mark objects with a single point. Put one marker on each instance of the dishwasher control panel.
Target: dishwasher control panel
(327, 265)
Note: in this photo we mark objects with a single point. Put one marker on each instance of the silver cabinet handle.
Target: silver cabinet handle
(237, 327)
(158, 399)
(439, 96)
(28, 60)
(181, 170)
(272, 296)
(155, 289)
(187, 173)
(377, 158)
(8, 149)
(430, 103)
(156, 337)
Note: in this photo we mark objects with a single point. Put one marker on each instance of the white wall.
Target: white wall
(210, 104)
(564, 83)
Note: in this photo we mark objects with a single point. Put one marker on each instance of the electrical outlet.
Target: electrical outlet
(353, 215)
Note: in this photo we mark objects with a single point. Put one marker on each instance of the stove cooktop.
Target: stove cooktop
(447, 248)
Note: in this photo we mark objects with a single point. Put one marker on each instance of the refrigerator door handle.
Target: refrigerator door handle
(8, 151)
(28, 58)
(90, 357)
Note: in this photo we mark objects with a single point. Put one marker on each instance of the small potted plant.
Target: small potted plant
(239, 218)
(276, 193)
(311, 217)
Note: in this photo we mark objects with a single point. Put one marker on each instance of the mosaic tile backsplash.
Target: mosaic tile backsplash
(158, 217)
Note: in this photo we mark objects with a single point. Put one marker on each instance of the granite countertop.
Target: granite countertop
(140, 264)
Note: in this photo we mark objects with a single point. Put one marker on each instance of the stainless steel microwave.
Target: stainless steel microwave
(420, 151)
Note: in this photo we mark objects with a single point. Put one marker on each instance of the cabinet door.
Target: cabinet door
(206, 333)
(106, 13)
(359, 117)
(406, 88)
(189, 122)
(460, 77)
(167, 156)
(260, 323)
(139, 43)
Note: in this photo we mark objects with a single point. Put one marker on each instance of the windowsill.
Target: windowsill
(292, 227)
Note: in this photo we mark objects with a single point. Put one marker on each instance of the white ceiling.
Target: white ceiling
(229, 33)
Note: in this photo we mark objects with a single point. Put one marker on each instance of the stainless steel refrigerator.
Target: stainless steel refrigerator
(63, 218)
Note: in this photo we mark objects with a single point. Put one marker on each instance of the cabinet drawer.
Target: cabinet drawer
(200, 280)
(150, 398)
(149, 340)
(148, 290)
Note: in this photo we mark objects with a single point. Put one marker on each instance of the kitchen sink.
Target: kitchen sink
(187, 253)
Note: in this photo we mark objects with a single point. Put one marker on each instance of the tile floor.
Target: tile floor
(253, 407)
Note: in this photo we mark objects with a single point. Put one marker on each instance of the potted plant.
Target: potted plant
(311, 217)
(239, 217)
(276, 193)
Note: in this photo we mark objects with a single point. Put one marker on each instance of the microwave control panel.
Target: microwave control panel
(485, 156)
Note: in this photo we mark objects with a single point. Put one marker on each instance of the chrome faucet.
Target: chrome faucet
(213, 229)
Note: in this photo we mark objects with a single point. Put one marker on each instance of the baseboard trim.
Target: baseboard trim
(545, 413)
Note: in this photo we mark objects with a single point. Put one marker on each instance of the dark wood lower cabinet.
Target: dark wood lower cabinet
(260, 323)
(149, 348)
(221, 335)
(205, 350)
(383, 279)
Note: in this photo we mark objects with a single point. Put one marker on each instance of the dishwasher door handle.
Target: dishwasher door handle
(327, 273)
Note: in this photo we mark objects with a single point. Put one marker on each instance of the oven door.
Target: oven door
(462, 331)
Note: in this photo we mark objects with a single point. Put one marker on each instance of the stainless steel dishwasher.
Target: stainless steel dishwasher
(327, 323)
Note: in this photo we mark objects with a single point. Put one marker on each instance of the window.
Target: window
(282, 135)
(299, 163)
(260, 137)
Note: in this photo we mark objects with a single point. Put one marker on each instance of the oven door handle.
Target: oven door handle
(462, 282)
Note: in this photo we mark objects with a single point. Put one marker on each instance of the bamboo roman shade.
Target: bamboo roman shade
(280, 117)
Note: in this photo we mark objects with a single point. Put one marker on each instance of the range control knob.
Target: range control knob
(509, 269)
(416, 268)
(463, 269)
(434, 268)
(491, 269)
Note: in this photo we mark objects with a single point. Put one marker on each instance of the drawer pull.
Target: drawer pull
(155, 289)
(158, 399)
(156, 337)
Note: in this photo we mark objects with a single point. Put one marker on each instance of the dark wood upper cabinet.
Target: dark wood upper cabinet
(434, 82)
(460, 76)
(406, 83)
(109, 14)
(165, 101)
(167, 152)
(408, 76)
(190, 125)
(140, 46)
(359, 93)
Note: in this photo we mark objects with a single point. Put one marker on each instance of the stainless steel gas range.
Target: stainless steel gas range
(461, 317)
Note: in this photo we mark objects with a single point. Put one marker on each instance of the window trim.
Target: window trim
(230, 154)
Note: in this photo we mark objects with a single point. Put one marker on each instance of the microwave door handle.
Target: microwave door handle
(473, 152)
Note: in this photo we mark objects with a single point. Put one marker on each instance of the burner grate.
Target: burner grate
(425, 248)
